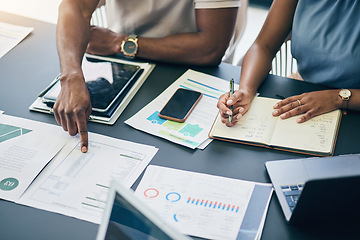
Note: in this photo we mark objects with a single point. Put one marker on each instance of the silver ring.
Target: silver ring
(299, 102)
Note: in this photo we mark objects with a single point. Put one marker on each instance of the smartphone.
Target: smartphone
(180, 105)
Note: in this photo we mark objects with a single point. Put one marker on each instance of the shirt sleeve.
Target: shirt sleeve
(216, 3)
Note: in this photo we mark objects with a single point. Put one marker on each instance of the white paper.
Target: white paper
(197, 204)
(10, 36)
(76, 184)
(194, 131)
(25, 148)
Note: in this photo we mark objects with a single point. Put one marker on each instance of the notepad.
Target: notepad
(259, 127)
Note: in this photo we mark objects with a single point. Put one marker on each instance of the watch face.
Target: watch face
(345, 93)
(129, 47)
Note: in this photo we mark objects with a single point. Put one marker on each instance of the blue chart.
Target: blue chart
(173, 197)
(8, 132)
(205, 89)
(213, 205)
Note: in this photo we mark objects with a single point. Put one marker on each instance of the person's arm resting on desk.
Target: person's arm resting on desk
(204, 47)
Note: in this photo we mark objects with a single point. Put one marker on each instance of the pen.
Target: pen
(279, 96)
(231, 93)
(50, 86)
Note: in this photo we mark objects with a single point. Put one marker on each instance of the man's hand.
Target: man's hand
(73, 107)
(103, 41)
(310, 104)
(241, 102)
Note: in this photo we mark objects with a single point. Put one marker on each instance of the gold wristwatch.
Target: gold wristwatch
(129, 46)
(345, 95)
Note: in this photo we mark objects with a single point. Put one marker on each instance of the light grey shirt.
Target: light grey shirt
(158, 18)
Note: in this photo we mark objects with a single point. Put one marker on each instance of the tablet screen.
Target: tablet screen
(127, 222)
(105, 81)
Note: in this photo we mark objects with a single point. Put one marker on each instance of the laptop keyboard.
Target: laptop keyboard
(292, 193)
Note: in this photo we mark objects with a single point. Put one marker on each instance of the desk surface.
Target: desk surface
(30, 67)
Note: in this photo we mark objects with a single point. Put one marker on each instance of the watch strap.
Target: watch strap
(345, 101)
(132, 36)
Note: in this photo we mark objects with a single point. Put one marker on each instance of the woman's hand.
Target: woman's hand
(240, 101)
(310, 104)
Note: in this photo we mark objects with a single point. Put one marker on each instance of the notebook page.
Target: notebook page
(315, 135)
(255, 126)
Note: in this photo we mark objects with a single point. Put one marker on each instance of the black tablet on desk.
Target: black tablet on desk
(108, 83)
(126, 217)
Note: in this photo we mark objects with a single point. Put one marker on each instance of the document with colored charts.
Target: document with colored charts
(206, 206)
(193, 133)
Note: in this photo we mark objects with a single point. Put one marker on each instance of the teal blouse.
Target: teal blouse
(325, 41)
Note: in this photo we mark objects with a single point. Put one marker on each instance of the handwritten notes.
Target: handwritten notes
(258, 126)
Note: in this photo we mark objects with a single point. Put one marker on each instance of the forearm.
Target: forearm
(255, 68)
(189, 48)
(257, 61)
(206, 46)
(72, 36)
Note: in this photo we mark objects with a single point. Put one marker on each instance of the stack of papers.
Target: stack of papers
(69, 182)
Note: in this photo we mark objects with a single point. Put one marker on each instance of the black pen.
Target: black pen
(230, 94)
(279, 96)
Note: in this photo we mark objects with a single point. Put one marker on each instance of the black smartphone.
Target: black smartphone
(180, 105)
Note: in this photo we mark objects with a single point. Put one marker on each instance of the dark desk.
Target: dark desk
(29, 68)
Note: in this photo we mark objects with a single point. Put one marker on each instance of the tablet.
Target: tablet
(105, 80)
(126, 217)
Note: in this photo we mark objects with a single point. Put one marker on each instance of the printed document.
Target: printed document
(76, 184)
(25, 148)
(206, 206)
(10, 36)
(194, 131)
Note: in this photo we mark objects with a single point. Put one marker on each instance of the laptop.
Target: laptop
(317, 190)
(127, 218)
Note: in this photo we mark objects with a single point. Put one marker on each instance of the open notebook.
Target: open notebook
(258, 126)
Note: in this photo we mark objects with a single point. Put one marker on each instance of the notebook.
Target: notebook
(126, 217)
(317, 190)
(259, 127)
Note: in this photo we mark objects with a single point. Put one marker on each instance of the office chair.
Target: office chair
(284, 64)
(99, 17)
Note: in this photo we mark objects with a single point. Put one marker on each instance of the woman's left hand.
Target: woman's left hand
(310, 104)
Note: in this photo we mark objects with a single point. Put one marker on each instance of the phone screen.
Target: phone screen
(180, 105)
